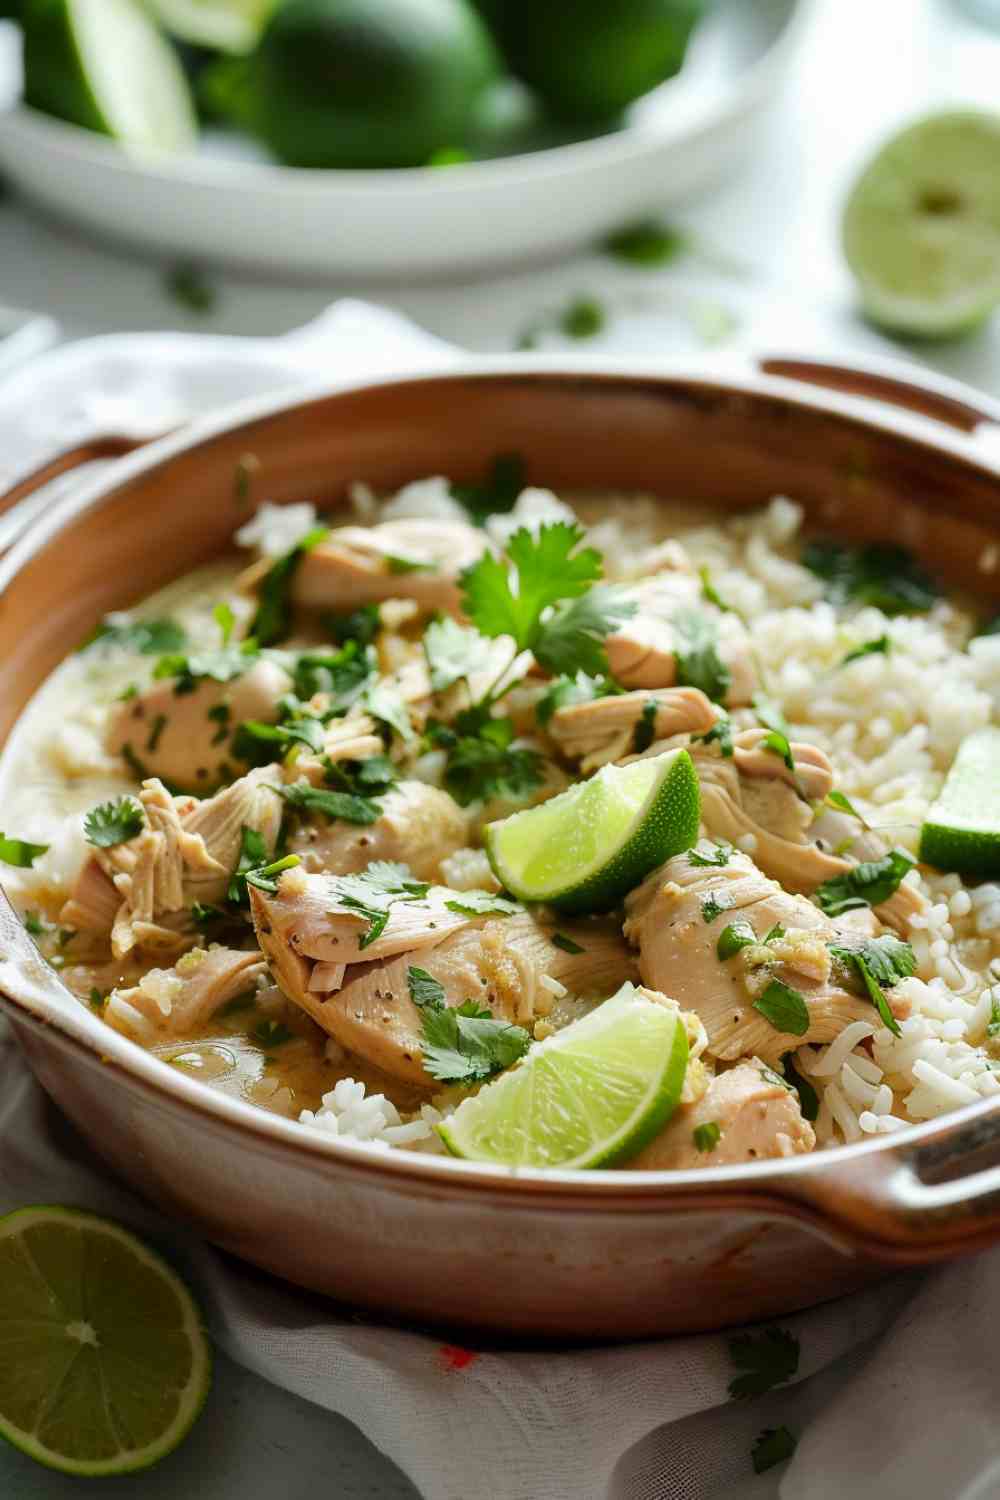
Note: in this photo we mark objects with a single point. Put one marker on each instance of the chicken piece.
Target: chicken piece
(419, 826)
(406, 559)
(499, 961)
(643, 651)
(753, 794)
(174, 1002)
(676, 918)
(186, 852)
(758, 1116)
(605, 729)
(183, 737)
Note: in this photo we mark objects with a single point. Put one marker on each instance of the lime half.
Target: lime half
(105, 1365)
(104, 64)
(962, 829)
(221, 25)
(921, 229)
(585, 849)
(591, 1096)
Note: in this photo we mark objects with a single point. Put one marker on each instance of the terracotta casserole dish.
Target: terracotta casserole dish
(580, 1256)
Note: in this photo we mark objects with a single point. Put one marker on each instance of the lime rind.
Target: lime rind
(921, 227)
(190, 1334)
(962, 829)
(585, 849)
(591, 1096)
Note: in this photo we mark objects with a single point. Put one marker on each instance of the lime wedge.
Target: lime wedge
(585, 849)
(104, 64)
(962, 829)
(221, 25)
(105, 1365)
(921, 229)
(591, 1096)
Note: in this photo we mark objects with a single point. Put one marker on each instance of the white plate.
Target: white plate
(222, 204)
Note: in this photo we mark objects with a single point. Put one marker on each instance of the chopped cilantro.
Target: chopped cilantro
(881, 961)
(19, 852)
(424, 988)
(560, 940)
(710, 593)
(482, 904)
(216, 922)
(648, 242)
(157, 727)
(222, 665)
(397, 564)
(699, 664)
(374, 892)
(339, 674)
(706, 1137)
(465, 1044)
(271, 1033)
(114, 822)
(34, 924)
(645, 730)
(866, 884)
(768, 1359)
(253, 856)
(256, 743)
(266, 877)
(775, 1445)
(713, 905)
(273, 619)
(133, 762)
(719, 860)
(776, 931)
(784, 1007)
(721, 733)
(497, 493)
(808, 1097)
(97, 998)
(223, 616)
(737, 935)
(844, 804)
(345, 806)
(454, 653)
(882, 574)
(188, 285)
(362, 625)
(220, 714)
(485, 765)
(146, 637)
(881, 646)
(777, 740)
(583, 318)
(387, 704)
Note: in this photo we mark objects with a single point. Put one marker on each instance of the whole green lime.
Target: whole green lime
(589, 59)
(368, 83)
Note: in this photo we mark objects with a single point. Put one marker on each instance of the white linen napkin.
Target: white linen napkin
(906, 1404)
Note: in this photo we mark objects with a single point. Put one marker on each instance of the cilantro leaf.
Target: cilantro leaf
(483, 904)
(454, 653)
(572, 639)
(866, 884)
(464, 1044)
(784, 1007)
(339, 674)
(362, 625)
(223, 616)
(114, 822)
(19, 852)
(843, 804)
(882, 574)
(497, 493)
(706, 1137)
(273, 620)
(768, 1358)
(881, 961)
(881, 646)
(397, 564)
(146, 637)
(256, 743)
(222, 665)
(253, 856)
(737, 935)
(265, 877)
(775, 1445)
(508, 596)
(713, 905)
(387, 704)
(348, 807)
(808, 1097)
(271, 1033)
(583, 318)
(721, 733)
(718, 860)
(485, 765)
(372, 893)
(710, 593)
(424, 988)
(560, 940)
(777, 740)
(699, 664)
(644, 732)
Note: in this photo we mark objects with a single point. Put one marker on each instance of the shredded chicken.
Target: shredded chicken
(174, 1002)
(605, 730)
(643, 652)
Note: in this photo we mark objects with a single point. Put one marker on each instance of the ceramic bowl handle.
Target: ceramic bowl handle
(923, 1200)
(943, 400)
(25, 501)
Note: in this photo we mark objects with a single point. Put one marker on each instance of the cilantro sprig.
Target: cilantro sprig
(885, 575)
(767, 1359)
(273, 620)
(866, 884)
(880, 963)
(464, 1043)
(114, 822)
(373, 894)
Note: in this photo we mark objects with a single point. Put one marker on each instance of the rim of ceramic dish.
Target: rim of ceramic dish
(759, 1182)
(617, 147)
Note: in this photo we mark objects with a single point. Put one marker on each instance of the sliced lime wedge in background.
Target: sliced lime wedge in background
(962, 828)
(105, 1365)
(921, 228)
(591, 1096)
(221, 25)
(105, 65)
(585, 849)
